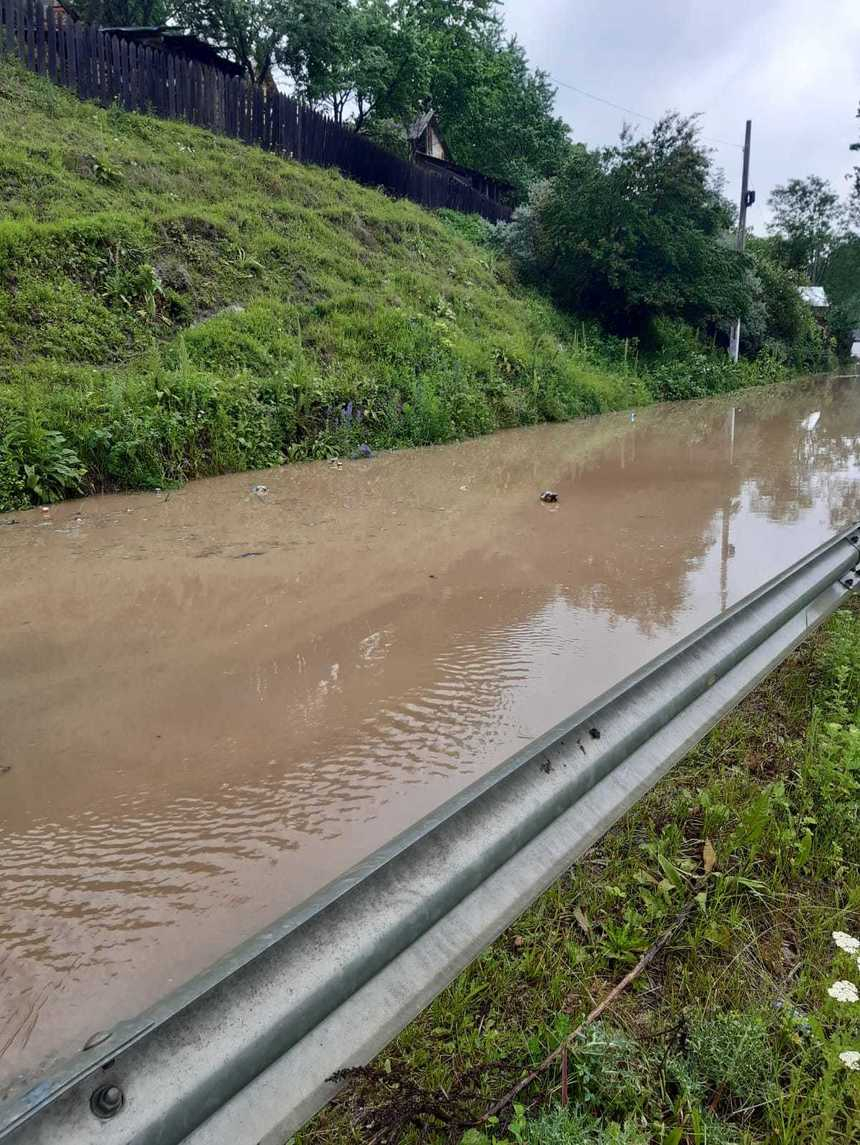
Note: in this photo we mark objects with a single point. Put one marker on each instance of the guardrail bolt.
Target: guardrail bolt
(107, 1101)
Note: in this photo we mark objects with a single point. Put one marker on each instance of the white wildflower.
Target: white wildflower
(850, 1059)
(846, 942)
(843, 991)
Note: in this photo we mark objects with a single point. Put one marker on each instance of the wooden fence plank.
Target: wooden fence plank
(161, 89)
(62, 51)
(82, 59)
(115, 71)
(40, 39)
(133, 77)
(144, 66)
(9, 25)
(102, 54)
(30, 21)
(87, 60)
(20, 33)
(233, 107)
(51, 38)
(71, 57)
(169, 78)
(122, 72)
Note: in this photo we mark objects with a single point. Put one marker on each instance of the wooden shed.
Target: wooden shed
(425, 138)
(428, 149)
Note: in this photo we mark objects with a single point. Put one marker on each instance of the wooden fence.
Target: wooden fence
(109, 69)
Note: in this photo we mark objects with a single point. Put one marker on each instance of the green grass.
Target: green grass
(730, 1036)
(175, 304)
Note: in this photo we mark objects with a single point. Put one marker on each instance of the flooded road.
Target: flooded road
(212, 700)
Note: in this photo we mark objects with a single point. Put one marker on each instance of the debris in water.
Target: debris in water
(335, 463)
(260, 490)
(46, 508)
(594, 733)
(548, 496)
(5, 768)
(364, 450)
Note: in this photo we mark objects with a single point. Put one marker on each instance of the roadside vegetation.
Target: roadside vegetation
(744, 1028)
(175, 304)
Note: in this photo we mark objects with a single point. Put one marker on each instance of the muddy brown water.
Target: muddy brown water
(213, 701)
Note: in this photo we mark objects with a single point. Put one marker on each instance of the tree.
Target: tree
(807, 220)
(363, 56)
(502, 121)
(779, 321)
(635, 232)
(249, 31)
(841, 281)
(120, 13)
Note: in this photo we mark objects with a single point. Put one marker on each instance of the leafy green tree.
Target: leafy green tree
(778, 320)
(120, 13)
(502, 121)
(636, 231)
(363, 57)
(249, 31)
(807, 221)
(841, 281)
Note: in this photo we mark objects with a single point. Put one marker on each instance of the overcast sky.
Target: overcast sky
(791, 66)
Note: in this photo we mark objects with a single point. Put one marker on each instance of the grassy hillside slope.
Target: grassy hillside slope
(175, 304)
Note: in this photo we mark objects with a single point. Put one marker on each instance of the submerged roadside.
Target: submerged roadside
(732, 1032)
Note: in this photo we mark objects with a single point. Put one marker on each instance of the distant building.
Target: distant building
(815, 297)
(425, 138)
(428, 149)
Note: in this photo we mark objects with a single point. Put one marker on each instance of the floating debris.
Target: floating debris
(260, 490)
(548, 497)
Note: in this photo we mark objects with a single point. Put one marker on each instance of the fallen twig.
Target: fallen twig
(562, 1049)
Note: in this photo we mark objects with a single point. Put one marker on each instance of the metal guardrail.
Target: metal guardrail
(241, 1054)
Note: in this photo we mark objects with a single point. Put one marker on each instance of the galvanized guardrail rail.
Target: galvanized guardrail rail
(241, 1054)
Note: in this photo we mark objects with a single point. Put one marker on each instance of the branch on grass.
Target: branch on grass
(562, 1049)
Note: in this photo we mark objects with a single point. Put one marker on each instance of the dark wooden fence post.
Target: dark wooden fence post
(8, 26)
(22, 35)
(51, 36)
(63, 51)
(39, 32)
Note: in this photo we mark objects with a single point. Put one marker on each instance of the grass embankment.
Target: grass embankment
(730, 1035)
(174, 304)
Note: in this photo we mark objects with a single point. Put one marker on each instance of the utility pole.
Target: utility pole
(747, 200)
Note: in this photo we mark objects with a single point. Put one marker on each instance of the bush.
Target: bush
(732, 1053)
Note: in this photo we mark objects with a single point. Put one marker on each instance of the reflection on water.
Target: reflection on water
(212, 701)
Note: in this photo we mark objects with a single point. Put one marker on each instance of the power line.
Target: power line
(638, 114)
